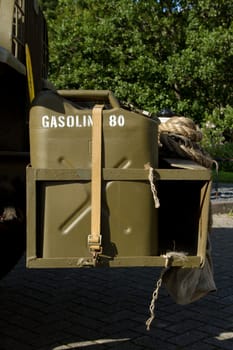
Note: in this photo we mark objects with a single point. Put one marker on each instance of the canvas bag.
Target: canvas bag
(186, 285)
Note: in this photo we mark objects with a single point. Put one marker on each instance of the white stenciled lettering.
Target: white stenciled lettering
(121, 120)
(78, 121)
(69, 121)
(87, 120)
(115, 120)
(53, 122)
(45, 121)
(112, 120)
(61, 121)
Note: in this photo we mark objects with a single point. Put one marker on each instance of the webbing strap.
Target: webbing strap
(94, 239)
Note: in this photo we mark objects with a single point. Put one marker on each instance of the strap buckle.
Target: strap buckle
(94, 241)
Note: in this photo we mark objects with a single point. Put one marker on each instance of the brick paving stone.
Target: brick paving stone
(10, 343)
(126, 346)
(220, 344)
(211, 330)
(154, 343)
(224, 324)
(187, 338)
(177, 317)
(48, 309)
(202, 346)
(180, 328)
(161, 334)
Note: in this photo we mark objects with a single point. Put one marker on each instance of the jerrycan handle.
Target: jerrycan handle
(98, 96)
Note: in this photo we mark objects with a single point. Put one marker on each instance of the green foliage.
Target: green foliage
(201, 70)
(218, 127)
(156, 54)
(218, 136)
(48, 7)
(224, 156)
(223, 176)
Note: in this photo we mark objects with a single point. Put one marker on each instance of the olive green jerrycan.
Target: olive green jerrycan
(107, 208)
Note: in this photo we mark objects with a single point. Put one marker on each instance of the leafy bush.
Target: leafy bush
(155, 54)
(217, 140)
(217, 127)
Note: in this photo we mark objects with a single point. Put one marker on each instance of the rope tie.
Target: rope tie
(152, 185)
(9, 213)
(169, 257)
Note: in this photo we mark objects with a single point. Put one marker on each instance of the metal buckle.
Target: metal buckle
(92, 241)
(95, 248)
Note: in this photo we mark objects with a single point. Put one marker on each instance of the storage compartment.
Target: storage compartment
(134, 232)
(180, 214)
(60, 190)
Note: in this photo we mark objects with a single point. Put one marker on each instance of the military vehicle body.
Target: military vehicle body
(87, 206)
(21, 22)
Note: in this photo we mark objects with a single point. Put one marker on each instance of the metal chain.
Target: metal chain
(155, 296)
(181, 256)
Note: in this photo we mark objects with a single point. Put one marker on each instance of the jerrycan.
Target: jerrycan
(61, 138)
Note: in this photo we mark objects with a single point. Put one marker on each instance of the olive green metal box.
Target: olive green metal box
(133, 231)
(61, 147)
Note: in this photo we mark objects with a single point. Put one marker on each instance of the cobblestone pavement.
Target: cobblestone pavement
(95, 309)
